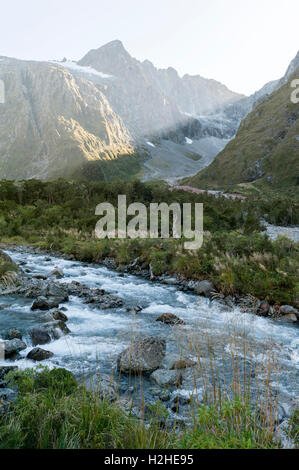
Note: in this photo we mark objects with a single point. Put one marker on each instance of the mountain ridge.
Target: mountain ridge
(58, 116)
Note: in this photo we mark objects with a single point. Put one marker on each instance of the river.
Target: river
(220, 339)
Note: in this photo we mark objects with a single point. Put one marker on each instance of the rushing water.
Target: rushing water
(218, 337)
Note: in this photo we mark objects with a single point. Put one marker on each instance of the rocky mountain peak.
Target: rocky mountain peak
(111, 58)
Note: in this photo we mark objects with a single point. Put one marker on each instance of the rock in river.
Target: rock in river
(14, 334)
(58, 273)
(42, 303)
(38, 354)
(177, 362)
(39, 335)
(58, 315)
(167, 378)
(43, 334)
(288, 310)
(170, 319)
(290, 318)
(145, 356)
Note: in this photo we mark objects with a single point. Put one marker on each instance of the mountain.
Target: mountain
(153, 102)
(111, 116)
(59, 116)
(52, 122)
(265, 150)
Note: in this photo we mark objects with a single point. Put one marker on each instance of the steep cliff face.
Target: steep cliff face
(51, 122)
(265, 150)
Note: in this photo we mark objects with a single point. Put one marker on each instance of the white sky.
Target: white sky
(242, 43)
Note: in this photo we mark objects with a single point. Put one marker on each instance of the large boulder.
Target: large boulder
(13, 346)
(142, 357)
(38, 354)
(170, 319)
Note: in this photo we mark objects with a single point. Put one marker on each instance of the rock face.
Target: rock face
(7, 395)
(50, 290)
(145, 356)
(62, 122)
(170, 319)
(38, 354)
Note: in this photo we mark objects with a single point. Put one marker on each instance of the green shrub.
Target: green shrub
(233, 425)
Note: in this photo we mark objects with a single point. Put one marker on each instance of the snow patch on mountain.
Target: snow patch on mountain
(73, 66)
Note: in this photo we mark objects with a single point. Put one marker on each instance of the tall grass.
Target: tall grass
(235, 410)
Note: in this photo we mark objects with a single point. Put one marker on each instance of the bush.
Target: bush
(233, 425)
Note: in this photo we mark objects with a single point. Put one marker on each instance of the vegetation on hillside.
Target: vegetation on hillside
(264, 153)
(235, 256)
